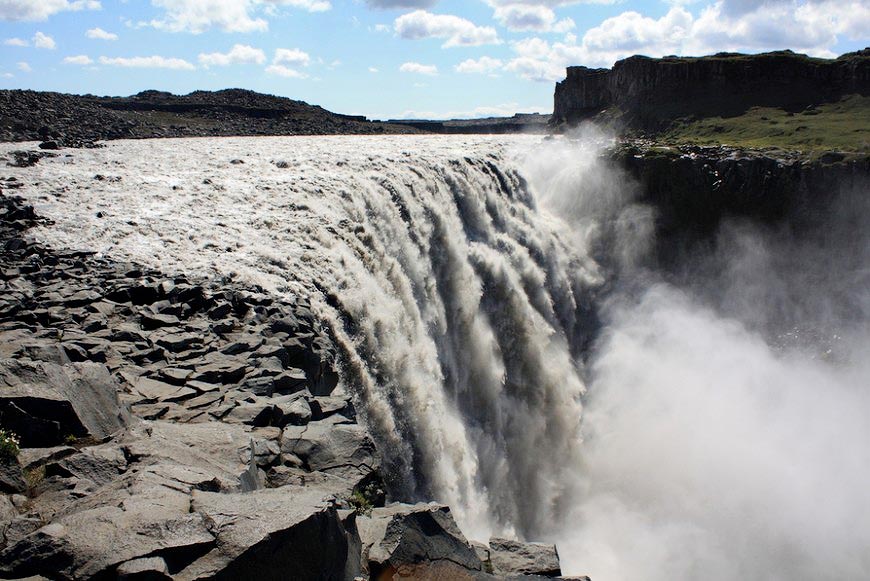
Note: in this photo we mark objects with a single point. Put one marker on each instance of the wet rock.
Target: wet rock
(516, 558)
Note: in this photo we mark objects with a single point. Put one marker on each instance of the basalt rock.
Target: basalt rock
(648, 93)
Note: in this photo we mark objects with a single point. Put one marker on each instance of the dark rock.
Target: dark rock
(517, 558)
(274, 535)
(344, 450)
(155, 321)
(44, 403)
(49, 145)
(145, 569)
(11, 476)
(406, 535)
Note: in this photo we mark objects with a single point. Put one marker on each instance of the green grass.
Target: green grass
(842, 126)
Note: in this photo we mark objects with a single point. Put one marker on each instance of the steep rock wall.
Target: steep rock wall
(650, 92)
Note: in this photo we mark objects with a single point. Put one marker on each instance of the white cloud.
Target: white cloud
(100, 34)
(528, 16)
(197, 16)
(388, 4)
(457, 31)
(374, 70)
(41, 40)
(420, 69)
(482, 65)
(41, 9)
(307, 5)
(291, 57)
(8, 75)
(16, 42)
(240, 54)
(287, 61)
(148, 62)
(811, 26)
(282, 71)
(78, 60)
(23, 66)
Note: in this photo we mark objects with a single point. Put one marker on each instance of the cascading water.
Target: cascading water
(477, 286)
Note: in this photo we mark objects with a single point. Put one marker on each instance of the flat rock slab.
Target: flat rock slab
(517, 558)
(291, 533)
(44, 403)
(405, 535)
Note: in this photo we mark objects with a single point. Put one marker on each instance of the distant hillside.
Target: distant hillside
(72, 119)
(771, 99)
(519, 123)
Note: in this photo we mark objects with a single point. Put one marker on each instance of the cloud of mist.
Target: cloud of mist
(725, 423)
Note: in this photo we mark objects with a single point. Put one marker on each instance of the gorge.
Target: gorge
(624, 352)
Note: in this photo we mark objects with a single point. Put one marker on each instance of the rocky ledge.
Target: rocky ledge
(173, 428)
(694, 189)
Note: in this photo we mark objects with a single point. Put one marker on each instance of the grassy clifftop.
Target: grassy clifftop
(843, 125)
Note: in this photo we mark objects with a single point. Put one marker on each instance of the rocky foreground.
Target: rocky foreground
(173, 428)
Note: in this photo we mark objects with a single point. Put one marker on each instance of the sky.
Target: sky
(391, 58)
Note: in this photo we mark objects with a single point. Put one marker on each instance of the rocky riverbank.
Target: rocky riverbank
(80, 120)
(173, 428)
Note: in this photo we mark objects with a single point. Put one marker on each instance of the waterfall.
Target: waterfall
(516, 353)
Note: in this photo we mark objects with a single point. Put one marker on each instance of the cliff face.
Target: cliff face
(646, 93)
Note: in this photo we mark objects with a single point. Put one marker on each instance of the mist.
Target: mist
(725, 430)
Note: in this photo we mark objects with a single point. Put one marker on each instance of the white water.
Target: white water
(460, 283)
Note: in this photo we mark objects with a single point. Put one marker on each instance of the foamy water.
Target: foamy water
(457, 276)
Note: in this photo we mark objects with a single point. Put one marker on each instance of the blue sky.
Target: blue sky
(390, 58)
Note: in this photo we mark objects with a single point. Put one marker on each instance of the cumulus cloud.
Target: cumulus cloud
(282, 71)
(519, 17)
(100, 34)
(23, 66)
(41, 40)
(291, 57)
(81, 59)
(287, 61)
(148, 62)
(307, 5)
(240, 54)
(482, 65)
(455, 30)
(197, 16)
(41, 9)
(16, 42)
(418, 68)
(388, 4)
(811, 26)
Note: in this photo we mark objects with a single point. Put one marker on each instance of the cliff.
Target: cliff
(648, 94)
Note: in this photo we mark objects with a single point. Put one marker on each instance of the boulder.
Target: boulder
(44, 403)
(276, 534)
(344, 450)
(401, 536)
(517, 558)
(146, 569)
